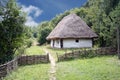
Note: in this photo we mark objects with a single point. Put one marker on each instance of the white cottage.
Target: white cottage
(71, 32)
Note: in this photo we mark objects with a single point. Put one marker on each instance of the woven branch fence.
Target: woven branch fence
(8, 67)
(87, 53)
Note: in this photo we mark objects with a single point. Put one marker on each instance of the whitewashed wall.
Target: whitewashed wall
(51, 43)
(71, 43)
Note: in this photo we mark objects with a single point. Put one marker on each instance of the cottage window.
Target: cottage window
(76, 40)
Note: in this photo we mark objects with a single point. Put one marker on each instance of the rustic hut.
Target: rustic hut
(71, 32)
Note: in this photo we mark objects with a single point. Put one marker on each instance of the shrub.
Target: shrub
(29, 43)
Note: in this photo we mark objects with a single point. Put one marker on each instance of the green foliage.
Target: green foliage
(29, 43)
(34, 32)
(35, 35)
(114, 16)
(12, 31)
(44, 30)
(43, 34)
(28, 37)
(99, 20)
(20, 51)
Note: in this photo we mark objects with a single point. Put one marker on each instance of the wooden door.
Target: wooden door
(53, 43)
(61, 43)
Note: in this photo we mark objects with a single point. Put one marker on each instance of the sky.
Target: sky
(44, 10)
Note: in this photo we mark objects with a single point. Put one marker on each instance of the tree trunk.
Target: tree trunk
(118, 43)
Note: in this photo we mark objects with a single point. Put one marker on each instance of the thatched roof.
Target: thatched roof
(71, 26)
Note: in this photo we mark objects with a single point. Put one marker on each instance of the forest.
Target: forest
(103, 16)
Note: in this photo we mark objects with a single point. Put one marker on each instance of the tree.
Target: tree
(44, 33)
(114, 15)
(97, 16)
(44, 30)
(12, 31)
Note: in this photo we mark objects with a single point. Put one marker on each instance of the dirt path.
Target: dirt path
(53, 66)
(35, 43)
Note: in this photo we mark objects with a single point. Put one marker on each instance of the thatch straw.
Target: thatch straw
(71, 26)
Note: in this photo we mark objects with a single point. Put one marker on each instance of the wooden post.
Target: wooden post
(72, 53)
(48, 57)
(118, 43)
(57, 57)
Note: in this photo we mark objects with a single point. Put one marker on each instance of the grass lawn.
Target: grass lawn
(60, 51)
(39, 50)
(98, 68)
(34, 50)
(30, 72)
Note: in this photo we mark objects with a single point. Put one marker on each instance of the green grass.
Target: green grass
(60, 51)
(39, 50)
(34, 50)
(98, 68)
(31, 72)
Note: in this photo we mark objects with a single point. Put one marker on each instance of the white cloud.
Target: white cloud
(32, 13)
(31, 22)
(32, 9)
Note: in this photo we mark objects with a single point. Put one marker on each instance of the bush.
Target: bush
(29, 43)
(20, 51)
(43, 34)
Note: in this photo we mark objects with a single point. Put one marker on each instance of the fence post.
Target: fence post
(65, 54)
(85, 52)
(48, 57)
(72, 53)
(57, 57)
(79, 53)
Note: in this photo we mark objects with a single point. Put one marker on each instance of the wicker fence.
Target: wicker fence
(8, 67)
(22, 60)
(88, 53)
(34, 59)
